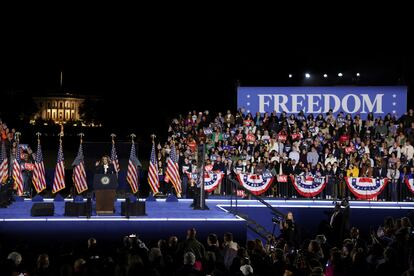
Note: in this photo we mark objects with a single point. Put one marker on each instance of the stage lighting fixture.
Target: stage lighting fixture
(340, 74)
(325, 75)
(357, 74)
(290, 76)
(307, 75)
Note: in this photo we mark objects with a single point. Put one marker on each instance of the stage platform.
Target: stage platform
(312, 215)
(164, 219)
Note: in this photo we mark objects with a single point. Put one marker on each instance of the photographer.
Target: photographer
(289, 230)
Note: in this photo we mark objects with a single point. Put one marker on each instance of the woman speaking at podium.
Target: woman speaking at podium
(104, 166)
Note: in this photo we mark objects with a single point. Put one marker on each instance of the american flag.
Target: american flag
(132, 174)
(153, 180)
(172, 172)
(17, 172)
(79, 174)
(39, 180)
(59, 179)
(114, 157)
(4, 164)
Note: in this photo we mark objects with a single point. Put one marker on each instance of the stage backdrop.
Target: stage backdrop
(353, 100)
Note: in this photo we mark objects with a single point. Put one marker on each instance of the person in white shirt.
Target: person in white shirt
(408, 151)
(331, 159)
(294, 155)
(395, 149)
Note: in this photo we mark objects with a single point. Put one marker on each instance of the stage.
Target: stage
(164, 219)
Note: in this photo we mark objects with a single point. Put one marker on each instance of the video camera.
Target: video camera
(277, 219)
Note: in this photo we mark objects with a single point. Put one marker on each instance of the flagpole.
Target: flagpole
(17, 135)
(61, 134)
(38, 134)
(39, 178)
(80, 142)
(176, 188)
(81, 136)
(153, 136)
(132, 135)
(113, 135)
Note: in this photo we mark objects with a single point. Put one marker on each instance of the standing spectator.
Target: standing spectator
(12, 265)
(352, 171)
(230, 249)
(289, 230)
(185, 168)
(393, 174)
(188, 267)
(229, 119)
(191, 244)
(404, 176)
(312, 157)
(330, 160)
(294, 155)
(330, 182)
(213, 253)
(42, 266)
(408, 152)
(336, 223)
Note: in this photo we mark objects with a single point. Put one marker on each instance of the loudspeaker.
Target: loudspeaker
(77, 209)
(42, 209)
(133, 208)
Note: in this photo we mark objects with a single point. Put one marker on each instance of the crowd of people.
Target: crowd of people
(387, 251)
(327, 145)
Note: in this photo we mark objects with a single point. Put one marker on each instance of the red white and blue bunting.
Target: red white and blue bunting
(366, 187)
(308, 186)
(256, 184)
(211, 179)
(410, 183)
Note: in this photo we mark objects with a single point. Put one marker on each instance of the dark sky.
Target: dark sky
(174, 68)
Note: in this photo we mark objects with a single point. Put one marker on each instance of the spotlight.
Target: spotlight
(357, 74)
(325, 75)
(340, 74)
(290, 76)
(307, 75)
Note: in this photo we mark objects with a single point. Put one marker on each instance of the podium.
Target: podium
(105, 190)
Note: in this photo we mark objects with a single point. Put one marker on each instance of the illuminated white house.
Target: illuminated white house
(59, 107)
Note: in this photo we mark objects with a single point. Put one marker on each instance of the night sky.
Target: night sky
(172, 70)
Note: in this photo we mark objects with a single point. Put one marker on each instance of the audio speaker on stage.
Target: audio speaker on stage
(42, 209)
(78, 209)
(133, 208)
